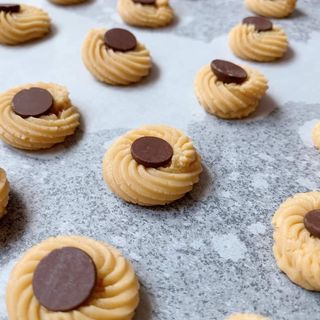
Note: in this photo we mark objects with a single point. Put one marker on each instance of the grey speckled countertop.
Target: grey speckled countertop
(209, 254)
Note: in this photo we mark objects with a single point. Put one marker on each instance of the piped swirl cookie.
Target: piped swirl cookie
(246, 316)
(115, 56)
(153, 165)
(316, 135)
(297, 239)
(228, 90)
(37, 116)
(272, 8)
(72, 278)
(22, 23)
(4, 192)
(257, 39)
(146, 13)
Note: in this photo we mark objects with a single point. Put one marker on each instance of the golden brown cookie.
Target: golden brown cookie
(229, 91)
(70, 278)
(4, 192)
(272, 8)
(37, 116)
(115, 56)
(22, 23)
(297, 239)
(153, 165)
(257, 39)
(146, 13)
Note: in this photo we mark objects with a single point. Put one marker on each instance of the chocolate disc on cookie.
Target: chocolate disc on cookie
(64, 279)
(151, 152)
(260, 23)
(312, 222)
(150, 2)
(120, 40)
(228, 72)
(33, 102)
(9, 7)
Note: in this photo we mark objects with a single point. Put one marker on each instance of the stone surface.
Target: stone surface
(209, 254)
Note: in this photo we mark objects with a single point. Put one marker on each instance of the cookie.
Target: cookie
(153, 165)
(22, 23)
(115, 56)
(296, 239)
(257, 39)
(146, 13)
(229, 91)
(74, 278)
(316, 135)
(37, 116)
(246, 316)
(272, 8)
(4, 192)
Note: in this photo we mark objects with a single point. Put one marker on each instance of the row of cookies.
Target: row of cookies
(235, 317)
(73, 277)
(87, 263)
(21, 23)
(296, 223)
(78, 275)
(116, 57)
(40, 115)
(137, 168)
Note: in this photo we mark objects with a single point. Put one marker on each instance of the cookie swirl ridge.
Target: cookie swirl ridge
(4, 192)
(28, 24)
(151, 16)
(296, 251)
(272, 8)
(152, 186)
(114, 67)
(115, 296)
(316, 135)
(246, 316)
(230, 101)
(249, 44)
(38, 133)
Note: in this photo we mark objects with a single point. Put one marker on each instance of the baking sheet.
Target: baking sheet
(209, 254)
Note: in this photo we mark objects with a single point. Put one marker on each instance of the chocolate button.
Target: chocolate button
(260, 23)
(33, 102)
(9, 7)
(312, 222)
(145, 1)
(228, 72)
(120, 40)
(64, 279)
(151, 152)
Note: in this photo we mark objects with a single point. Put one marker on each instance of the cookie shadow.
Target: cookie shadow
(288, 57)
(153, 76)
(265, 108)
(14, 223)
(54, 152)
(144, 310)
(297, 14)
(205, 186)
